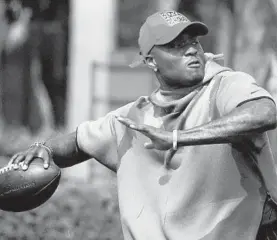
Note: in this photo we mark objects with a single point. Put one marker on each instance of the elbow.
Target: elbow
(272, 123)
(261, 115)
(264, 115)
(270, 117)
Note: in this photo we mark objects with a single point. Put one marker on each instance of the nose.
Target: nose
(191, 51)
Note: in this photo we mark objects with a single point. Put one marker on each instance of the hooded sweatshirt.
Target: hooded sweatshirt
(208, 192)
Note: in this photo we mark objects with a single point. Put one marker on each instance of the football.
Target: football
(25, 190)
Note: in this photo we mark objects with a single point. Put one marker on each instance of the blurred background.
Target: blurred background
(66, 61)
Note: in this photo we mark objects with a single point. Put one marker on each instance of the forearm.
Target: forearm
(65, 152)
(247, 119)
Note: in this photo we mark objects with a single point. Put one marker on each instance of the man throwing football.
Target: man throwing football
(193, 159)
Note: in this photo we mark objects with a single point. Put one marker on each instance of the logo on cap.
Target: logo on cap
(172, 18)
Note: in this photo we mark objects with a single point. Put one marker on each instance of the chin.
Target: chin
(193, 80)
(193, 77)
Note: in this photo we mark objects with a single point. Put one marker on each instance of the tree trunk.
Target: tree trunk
(255, 51)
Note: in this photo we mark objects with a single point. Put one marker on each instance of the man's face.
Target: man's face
(181, 62)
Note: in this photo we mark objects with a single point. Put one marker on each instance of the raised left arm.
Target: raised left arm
(250, 117)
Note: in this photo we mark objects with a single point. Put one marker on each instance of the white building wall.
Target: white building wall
(92, 38)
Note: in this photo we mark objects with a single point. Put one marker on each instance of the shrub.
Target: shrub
(75, 211)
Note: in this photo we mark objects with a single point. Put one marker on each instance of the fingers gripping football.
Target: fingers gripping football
(25, 158)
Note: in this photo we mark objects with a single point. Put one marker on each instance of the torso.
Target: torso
(210, 194)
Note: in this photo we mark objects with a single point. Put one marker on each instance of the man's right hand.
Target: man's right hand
(26, 157)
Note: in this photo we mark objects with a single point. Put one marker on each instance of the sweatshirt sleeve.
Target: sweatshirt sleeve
(237, 88)
(98, 138)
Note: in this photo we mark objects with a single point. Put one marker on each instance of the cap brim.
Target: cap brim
(195, 28)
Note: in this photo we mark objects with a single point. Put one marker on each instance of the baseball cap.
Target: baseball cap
(163, 27)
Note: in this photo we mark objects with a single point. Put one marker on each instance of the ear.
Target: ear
(151, 63)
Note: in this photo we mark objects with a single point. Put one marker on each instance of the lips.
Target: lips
(194, 63)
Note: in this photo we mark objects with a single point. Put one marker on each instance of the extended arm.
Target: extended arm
(250, 117)
(93, 139)
(64, 150)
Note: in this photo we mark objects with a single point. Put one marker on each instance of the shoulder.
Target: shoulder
(125, 110)
(236, 81)
(122, 111)
(236, 76)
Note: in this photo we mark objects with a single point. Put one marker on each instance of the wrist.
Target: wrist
(43, 145)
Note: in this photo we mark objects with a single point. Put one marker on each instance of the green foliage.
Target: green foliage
(75, 211)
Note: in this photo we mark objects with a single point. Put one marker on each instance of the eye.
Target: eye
(170, 45)
(179, 44)
(194, 42)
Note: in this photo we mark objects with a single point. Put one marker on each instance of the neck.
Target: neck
(174, 88)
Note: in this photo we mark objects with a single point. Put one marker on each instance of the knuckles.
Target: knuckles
(28, 154)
